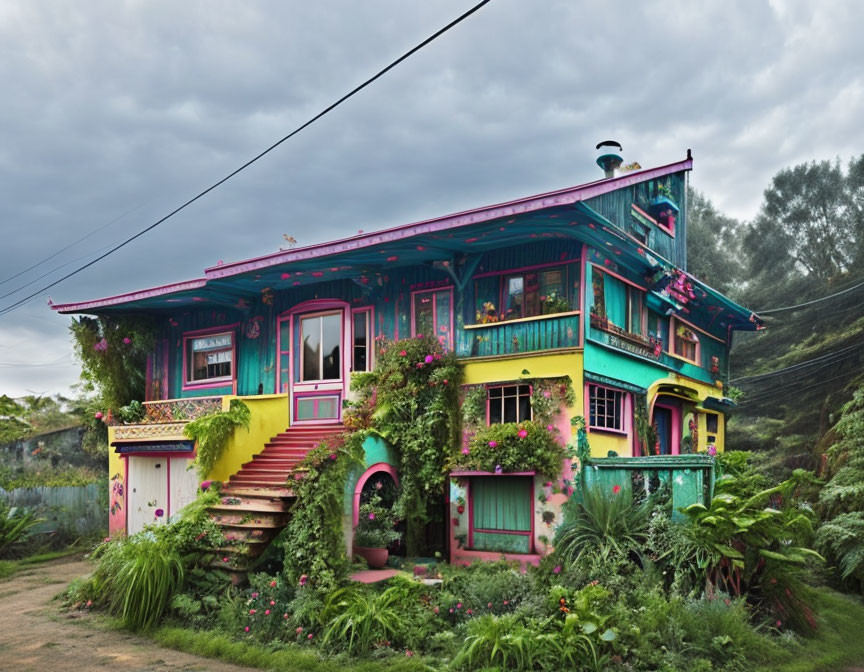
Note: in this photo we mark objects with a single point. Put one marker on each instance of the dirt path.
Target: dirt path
(35, 638)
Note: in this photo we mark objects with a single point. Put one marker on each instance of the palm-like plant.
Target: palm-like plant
(15, 526)
(602, 524)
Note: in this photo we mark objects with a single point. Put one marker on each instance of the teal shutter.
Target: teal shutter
(615, 293)
(501, 503)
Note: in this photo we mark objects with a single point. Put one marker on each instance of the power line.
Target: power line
(809, 303)
(63, 249)
(206, 191)
(799, 365)
(795, 385)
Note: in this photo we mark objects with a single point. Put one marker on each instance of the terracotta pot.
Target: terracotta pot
(376, 558)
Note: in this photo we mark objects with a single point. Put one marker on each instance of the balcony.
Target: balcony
(531, 334)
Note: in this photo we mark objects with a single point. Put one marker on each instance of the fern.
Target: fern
(842, 539)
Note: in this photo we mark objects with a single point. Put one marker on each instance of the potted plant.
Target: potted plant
(375, 532)
(663, 206)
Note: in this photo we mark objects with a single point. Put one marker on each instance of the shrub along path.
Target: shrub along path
(34, 637)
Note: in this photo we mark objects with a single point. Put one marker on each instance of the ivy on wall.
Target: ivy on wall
(211, 433)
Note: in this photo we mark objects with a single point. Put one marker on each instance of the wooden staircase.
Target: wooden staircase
(256, 500)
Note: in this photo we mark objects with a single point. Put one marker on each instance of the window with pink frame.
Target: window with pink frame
(209, 358)
(432, 315)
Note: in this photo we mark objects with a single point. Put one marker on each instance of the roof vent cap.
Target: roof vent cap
(608, 160)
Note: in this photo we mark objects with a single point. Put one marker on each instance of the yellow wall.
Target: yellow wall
(269, 418)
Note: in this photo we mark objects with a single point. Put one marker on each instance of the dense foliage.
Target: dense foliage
(376, 527)
(524, 446)
(16, 525)
(314, 544)
(211, 433)
(411, 399)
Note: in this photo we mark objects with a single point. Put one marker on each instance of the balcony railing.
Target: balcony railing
(546, 332)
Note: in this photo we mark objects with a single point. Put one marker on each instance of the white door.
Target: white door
(148, 492)
(318, 390)
(184, 483)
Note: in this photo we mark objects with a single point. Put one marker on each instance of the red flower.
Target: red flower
(616, 489)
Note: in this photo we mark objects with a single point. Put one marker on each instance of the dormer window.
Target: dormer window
(685, 341)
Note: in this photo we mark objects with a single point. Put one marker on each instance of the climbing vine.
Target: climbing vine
(315, 544)
(212, 431)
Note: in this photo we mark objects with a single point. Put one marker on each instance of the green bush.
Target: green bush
(842, 540)
(523, 446)
(16, 526)
(355, 619)
(600, 525)
(211, 433)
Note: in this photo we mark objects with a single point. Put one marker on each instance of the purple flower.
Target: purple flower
(493, 444)
(522, 433)
(205, 485)
(371, 516)
(429, 359)
(712, 450)
(557, 569)
(550, 428)
(465, 451)
(159, 513)
(498, 469)
(127, 340)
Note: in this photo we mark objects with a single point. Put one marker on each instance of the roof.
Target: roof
(547, 215)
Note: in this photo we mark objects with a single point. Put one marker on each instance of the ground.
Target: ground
(35, 636)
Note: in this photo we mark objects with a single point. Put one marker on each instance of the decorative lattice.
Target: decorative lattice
(180, 410)
(164, 430)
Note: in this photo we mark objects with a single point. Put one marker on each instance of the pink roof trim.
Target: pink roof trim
(531, 203)
(560, 197)
(130, 296)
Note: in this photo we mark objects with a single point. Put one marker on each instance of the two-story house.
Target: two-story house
(588, 282)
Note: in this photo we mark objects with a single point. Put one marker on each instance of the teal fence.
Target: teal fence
(690, 478)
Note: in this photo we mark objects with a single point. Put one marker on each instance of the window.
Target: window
(501, 512)
(685, 342)
(533, 294)
(606, 406)
(321, 339)
(361, 359)
(620, 303)
(431, 315)
(510, 403)
(210, 358)
(711, 422)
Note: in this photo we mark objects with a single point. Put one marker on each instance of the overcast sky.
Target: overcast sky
(119, 111)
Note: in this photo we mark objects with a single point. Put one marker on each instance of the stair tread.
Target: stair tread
(263, 505)
(239, 491)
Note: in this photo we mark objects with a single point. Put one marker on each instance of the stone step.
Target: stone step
(257, 491)
(251, 505)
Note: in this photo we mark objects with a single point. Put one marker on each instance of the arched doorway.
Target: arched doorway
(380, 480)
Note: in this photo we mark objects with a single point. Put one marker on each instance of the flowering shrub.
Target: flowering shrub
(524, 446)
(375, 526)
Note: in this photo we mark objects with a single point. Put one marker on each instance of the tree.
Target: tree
(713, 251)
(12, 424)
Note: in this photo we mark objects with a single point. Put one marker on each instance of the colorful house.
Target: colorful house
(587, 282)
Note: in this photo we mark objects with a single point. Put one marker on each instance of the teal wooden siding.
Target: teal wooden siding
(503, 339)
(690, 478)
(616, 206)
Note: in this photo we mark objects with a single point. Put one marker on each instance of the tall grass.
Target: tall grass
(137, 577)
(356, 618)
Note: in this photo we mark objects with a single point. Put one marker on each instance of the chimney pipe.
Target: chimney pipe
(608, 161)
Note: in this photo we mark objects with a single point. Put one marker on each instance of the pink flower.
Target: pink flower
(506, 602)
(205, 485)
(98, 415)
(266, 612)
(224, 559)
(371, 516)
(403, 353)
(272, 585)
(409, 652)
(309, 636)
(489, 605)
(547, 484)
(429, 359)
(466, 450)
(522, 433)
(712, 450)
(159, 513)
(493, 444)
(436, 610)
(419, 336)
(299, 630)
(550, 428)
(616, 489)
(458, 605)
(254, 595)
(246, 629)
(251, 612)
(303, 580)
(557, 569)
(779, 623)
(272, 603)
(547, 393)
(469, 612)
(332, 456)
(419, 365)
(285, 616)
(127, 340)
(451, 610)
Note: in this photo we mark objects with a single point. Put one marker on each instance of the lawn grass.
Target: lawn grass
(837, 644)
(284, 657)
(9, 568)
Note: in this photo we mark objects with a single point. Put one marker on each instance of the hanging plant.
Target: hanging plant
(211, 433)
(513, 447)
